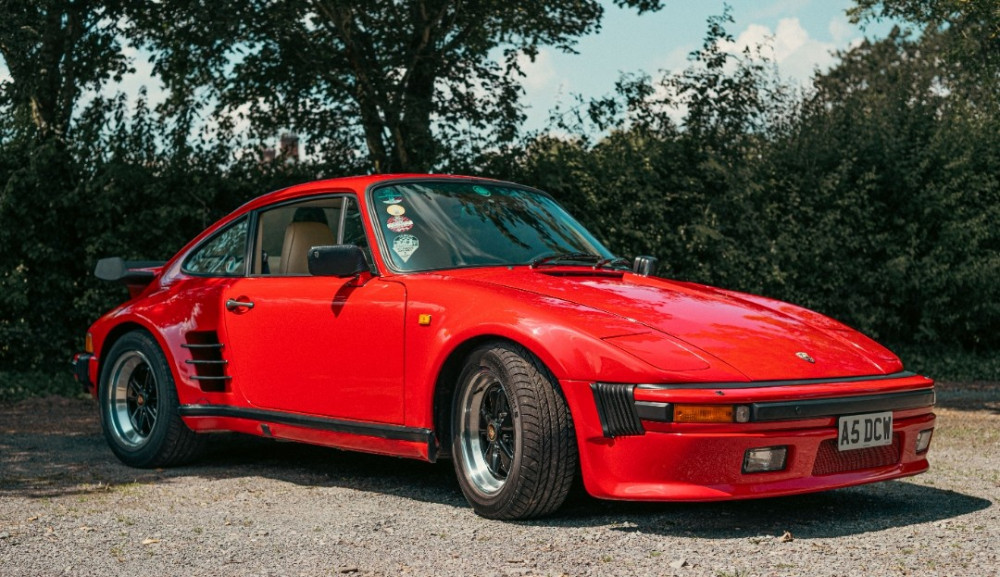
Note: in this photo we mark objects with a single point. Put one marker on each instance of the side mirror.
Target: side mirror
(341, 260)
(645, 265)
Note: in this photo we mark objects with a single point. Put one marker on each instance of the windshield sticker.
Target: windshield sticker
(405, 245)
(482, 191)
(389, 196)
(395, 210)
(399, 223)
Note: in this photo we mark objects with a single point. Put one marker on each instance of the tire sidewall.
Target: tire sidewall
(487, 504)
(146, 454)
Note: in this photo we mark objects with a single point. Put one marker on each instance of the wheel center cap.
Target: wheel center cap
(140, 400)
(491, 432)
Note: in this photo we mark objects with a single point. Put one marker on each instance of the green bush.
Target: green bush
(19, 385)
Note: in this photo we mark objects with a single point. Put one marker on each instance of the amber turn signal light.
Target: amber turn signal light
(711, 413)
(703, 413)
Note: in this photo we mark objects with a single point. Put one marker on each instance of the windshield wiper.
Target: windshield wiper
(566, 256)
(613, 262)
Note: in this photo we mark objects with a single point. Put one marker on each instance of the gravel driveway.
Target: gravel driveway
(255, 507)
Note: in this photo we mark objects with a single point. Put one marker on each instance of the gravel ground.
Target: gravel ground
(255, 507)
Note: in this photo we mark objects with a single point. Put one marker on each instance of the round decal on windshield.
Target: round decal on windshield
(395, 209)
(399, 224)
(405, 245)
(480, 190)
(389, 196)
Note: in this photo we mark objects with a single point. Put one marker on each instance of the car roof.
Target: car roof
(357, 184)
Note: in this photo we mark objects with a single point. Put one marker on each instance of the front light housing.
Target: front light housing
(765, 459)
(703, 413)
(659, 351)
(924, 440)
(686, 413)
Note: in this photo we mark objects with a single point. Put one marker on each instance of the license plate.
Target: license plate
(862, 431)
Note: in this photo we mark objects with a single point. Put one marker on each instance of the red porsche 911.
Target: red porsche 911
(437, 317)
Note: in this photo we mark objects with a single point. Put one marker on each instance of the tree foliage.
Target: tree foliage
(969, 32)
(412, 80)
(54, 50)
(872, 197)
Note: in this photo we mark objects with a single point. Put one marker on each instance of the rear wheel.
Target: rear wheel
(138, 401)
(514, 448)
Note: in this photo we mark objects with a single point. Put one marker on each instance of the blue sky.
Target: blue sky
(803, 34)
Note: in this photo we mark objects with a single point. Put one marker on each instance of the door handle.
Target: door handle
(233, 304)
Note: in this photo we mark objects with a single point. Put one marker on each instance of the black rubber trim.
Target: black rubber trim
(785, 411)
(756, 384)
(617, 410)
(81, 371)
(202, 346)
(206, 362)
(651, 411)
(210, 378)
(390, 432)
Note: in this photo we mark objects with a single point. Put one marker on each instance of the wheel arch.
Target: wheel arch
(447, 382)
(120, 330)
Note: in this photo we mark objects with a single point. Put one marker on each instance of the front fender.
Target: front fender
(567, 337)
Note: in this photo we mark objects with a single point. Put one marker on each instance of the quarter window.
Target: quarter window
(222, 255)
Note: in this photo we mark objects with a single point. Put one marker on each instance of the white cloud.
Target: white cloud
(539, 74)
(796, 53)
(842, 31)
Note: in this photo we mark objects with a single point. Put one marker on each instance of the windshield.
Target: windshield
(437, 225)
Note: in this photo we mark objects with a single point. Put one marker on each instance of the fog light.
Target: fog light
(924, 439)
(764, 459)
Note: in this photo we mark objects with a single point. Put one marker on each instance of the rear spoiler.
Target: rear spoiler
(135, 274)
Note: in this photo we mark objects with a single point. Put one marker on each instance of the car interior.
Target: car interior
(286, 233)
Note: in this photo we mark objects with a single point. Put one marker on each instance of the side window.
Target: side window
(222, 255)
(285, 233)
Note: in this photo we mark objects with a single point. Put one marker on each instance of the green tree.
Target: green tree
(411, 80)
(969, 32)
(672, 173)
(893, 181)
(54, 50)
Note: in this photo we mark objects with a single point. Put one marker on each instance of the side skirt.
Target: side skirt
(406, 435)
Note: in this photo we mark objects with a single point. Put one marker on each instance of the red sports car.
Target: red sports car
(451, 317)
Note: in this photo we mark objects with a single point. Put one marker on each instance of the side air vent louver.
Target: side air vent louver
(206, 358)
(616, 409)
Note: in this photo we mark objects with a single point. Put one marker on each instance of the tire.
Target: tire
(512, 435)
(138, 402)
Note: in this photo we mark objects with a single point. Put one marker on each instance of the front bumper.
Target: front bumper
(84, 366)
(667, 461)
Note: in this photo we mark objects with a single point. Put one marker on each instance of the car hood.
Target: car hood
(761, 338)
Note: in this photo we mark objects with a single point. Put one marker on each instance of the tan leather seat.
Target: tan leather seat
(299, 238)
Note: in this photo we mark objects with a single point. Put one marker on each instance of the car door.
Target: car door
(322, 346)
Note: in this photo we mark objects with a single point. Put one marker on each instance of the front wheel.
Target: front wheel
(138, 402)
(512, 435)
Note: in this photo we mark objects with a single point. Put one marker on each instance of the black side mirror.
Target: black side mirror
(645, 265)
(341, 260)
